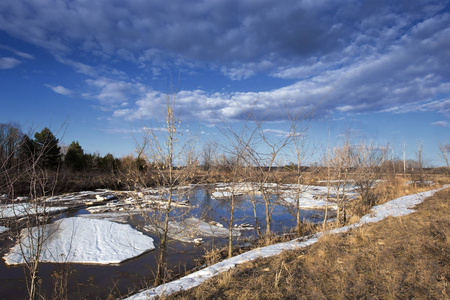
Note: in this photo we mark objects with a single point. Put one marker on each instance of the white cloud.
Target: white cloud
(60, 90)
(349, 57)
(441, 124)
(79, 67)
(16, 52)
(8, 62)
(441, 106)
(277, 132)
(113, 91)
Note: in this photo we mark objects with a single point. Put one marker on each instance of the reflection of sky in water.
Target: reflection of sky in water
(204, 207)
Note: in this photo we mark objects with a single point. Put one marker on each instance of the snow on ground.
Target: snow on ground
(83, 240)
(24, 209)
(398, 207)
(418, 182)
(192, 228)
(118, 217)
(3, 229)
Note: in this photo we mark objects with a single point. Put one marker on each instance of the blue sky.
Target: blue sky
(381, 68)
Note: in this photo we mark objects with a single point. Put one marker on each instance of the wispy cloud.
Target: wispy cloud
(17, 52)
(277, 132)
(78, 66)
(441, 124)
(114, 91)
(60, 90)
(8, 62)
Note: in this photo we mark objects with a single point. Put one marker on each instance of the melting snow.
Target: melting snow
(83, 240)
(221, 194)
(192, 228)
(310, 203)
(24, 209)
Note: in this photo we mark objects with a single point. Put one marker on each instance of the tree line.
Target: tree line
(42, 151)
(18, 149)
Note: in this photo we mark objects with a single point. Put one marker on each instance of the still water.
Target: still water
(103, 281)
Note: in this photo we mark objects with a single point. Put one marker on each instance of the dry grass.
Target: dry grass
(407, 257)
(392, 188)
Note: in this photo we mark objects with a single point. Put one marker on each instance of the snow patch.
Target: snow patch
(82, 240)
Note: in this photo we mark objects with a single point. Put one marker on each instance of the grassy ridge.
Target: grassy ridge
(406, 257)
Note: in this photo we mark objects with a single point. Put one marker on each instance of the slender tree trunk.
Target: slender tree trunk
(160, 278)
(255, 215)
(298, 207)
(326, 208)
(268, 218)
(230, 233)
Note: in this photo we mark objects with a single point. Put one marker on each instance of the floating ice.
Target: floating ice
(192, 228)
(310, 203)
(81, 240)
(26, 209)
(221, 194)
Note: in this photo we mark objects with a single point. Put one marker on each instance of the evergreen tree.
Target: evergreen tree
(75, 157)
(47, 148)
(109, 163)
(27, 152)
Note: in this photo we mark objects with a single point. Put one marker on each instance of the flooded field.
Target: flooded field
(199, 224)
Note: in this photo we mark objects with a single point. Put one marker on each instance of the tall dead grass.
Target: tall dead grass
(407, 257)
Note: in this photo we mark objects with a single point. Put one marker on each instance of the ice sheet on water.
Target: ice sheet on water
(310, 203)
(24, 209)
(82, 240)
(221, 194)
(192, 228)
(118, 217)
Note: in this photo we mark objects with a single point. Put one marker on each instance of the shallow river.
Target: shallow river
(102, 281)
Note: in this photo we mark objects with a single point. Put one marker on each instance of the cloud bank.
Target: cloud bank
(344, 57)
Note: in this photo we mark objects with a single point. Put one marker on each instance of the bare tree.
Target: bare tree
(367, 159)
(208, 155)
(404, 157)
(298, 130)
(262, 156)
(341, 163)
(162, 149)
(444, 150)
(237, 166)
(30, 216)
(418, 173)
